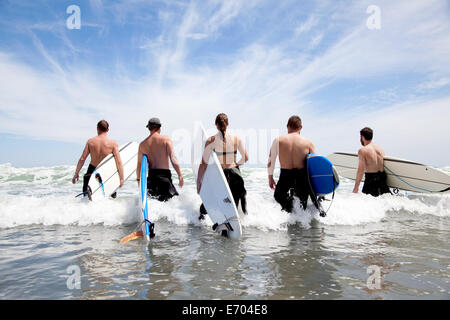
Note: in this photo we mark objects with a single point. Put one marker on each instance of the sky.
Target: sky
(339, 65)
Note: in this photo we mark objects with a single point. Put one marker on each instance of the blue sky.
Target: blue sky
(258, 61)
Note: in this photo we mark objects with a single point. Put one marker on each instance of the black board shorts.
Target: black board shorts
(293, 182)
(375, 183)
(159, 184)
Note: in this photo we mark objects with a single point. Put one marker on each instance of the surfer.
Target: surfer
(98, 147)
(371, 165)
(292, 149)
(225, 145)
(159, 151)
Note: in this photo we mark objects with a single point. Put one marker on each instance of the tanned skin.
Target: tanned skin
(98, 148)
(292, 149)
(371, 159)
(159, 151)
(226, 160)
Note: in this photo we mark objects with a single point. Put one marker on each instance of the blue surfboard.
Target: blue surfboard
(147, 226)
(324, 179)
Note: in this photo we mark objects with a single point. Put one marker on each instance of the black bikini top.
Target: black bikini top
(224, 153)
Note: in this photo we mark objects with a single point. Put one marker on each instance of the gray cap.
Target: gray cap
(154, 122)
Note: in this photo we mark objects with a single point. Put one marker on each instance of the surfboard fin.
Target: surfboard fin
(132, 236)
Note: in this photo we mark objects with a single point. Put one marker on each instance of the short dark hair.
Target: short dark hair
(103, 125)
(367, 133)
(154, 123)
(153, 126)
(294, 122)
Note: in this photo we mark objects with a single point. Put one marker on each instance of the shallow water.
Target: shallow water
(46, 234)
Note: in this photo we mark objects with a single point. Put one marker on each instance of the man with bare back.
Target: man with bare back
(159, 151)
(292, 149)
(98, 147)
(371, 165)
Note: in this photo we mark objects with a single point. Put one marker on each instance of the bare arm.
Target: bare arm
(204, 163)
(119, 165)
(80, 163)
(272, 161)
(174, 161)
(361, 170)
(312, 149)
(139, 163)
(243, 152)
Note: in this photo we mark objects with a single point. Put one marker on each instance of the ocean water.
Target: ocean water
(56, 246)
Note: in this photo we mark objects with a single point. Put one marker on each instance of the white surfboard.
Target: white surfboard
(215, 192)
(401, 174)
(105, 179)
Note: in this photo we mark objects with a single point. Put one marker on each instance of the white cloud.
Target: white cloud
(259, 86)
(306, 26)
(434, 84)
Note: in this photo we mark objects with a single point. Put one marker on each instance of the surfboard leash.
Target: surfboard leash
(412, 186)
(219, 228)
(99, 179)
(151, 227)
(317, 200)
(320, 199)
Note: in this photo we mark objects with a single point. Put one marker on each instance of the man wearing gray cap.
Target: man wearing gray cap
(159, 151)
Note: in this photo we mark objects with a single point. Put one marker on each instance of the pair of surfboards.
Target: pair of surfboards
(215, 194)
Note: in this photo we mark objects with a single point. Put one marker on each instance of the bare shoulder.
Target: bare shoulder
(379, 150)
(209, 140)
(282, 138)
(306, 141)
(112, 141)
(143, 145)
(91, 141)
(165, 138)
(362, 152)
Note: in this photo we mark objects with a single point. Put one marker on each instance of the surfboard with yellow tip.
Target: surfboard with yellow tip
(146, 226)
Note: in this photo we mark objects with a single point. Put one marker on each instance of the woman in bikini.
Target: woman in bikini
(226, 145)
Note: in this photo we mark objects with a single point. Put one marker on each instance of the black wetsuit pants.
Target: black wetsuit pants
(293, 182)
(159, 184)
(237, 187)
(375, 183)
(86, 178)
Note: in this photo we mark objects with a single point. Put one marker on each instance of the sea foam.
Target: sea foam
(47, 196)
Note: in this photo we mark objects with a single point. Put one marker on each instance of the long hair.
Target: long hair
(222, 123)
